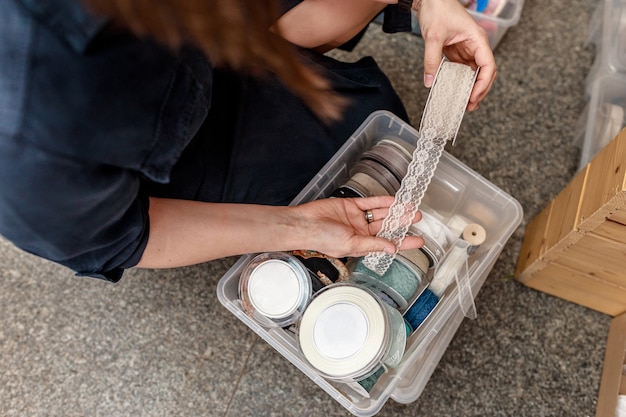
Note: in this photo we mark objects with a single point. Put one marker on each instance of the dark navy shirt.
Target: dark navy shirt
(94, 121)
(75, 139)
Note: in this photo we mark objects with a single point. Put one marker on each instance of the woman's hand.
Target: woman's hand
(447, 28)
(338, 226)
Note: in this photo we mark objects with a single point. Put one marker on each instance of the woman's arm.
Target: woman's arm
(445, 25)
(327, 24)
(187, 232)
(447, 28)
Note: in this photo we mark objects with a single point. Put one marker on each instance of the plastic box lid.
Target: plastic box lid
(454, 191)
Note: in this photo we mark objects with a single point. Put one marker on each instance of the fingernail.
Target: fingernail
(428, 80)
(388, 250)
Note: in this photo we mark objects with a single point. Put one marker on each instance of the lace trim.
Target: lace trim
(441, 119)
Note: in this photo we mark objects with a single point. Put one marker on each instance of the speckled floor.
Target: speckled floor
(159, 343)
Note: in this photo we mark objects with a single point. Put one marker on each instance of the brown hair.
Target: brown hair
(233, 33)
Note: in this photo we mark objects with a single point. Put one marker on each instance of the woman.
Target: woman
(154, 134)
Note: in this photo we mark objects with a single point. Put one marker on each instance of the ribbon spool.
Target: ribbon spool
(347, 333)
(379, 171)
(436, 237)
(406, 276)
(453, 267)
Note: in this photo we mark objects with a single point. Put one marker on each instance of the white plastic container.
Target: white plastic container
(455, 192)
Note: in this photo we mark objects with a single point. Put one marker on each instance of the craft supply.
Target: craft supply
(390, 157)
(441, 120)
(423, 306)
(404, 147)
(368, 383)
(472, 237)
(383, 291)
(453, 266)
(346, 191)
(399, 284)
(378, 172)
(435, 234)
(366, 185)
(275, 286)
(475, 235)
(324, 269)
(346, 333)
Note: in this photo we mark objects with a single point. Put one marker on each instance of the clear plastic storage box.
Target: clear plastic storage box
(613, 51)
(455, 191)
(497, 25)
(604, 115)
(496, 20)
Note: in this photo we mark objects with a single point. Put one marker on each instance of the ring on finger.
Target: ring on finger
(369, 216)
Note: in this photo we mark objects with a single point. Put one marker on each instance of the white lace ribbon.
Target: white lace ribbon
(441, 119)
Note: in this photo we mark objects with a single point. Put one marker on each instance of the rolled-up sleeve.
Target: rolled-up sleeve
(90, 218)
(89, 114)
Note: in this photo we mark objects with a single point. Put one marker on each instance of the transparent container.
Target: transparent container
(456, 192)
(604, 116)
(496, 21)
(613, 48)
(605, 85)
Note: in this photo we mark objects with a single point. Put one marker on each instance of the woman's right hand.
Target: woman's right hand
(447, 28)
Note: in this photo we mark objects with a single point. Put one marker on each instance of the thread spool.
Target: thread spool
(475, 235)
(346, 333)
(275, 286)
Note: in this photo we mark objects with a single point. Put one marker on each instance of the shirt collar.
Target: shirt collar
(68, 19)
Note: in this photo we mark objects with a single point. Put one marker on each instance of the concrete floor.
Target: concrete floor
(159, 343)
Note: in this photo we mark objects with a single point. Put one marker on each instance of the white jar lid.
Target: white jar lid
(275, 286)
(344, 332)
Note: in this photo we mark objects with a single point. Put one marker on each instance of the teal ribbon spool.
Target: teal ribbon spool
(369, 382)
(402, 280)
